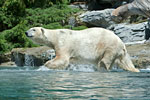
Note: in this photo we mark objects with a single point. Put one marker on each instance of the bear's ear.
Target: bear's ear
(42, 30)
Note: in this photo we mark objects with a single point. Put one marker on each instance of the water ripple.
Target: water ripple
(34, 84)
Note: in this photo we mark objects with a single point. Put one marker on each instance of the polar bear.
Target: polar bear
(98, 46)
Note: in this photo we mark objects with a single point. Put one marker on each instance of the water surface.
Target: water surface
(33, 84)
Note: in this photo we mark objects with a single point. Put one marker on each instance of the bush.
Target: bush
(15, 24)
(2, 2)
(15, 38)
(11, 13)
(55, 14)
(44, 3)
(4, 46)
(8, 21)
(79, 28)
(55, 25)
(14, 7)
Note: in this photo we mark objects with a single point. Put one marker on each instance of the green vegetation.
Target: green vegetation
(14, 37)
(52, 17)
(17, 16)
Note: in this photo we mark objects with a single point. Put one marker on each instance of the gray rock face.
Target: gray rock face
(140, 55)
(102, 18)
(131, 32)
(5, 57)
(5, 60)
(36, 56)
(97, 18)
(79, 6)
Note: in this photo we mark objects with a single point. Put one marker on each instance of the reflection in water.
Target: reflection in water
(70, 85)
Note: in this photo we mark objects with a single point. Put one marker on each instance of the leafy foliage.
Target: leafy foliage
(2, 2)
(79, 28)
(17, 37)
(11, 13)
(14, 7)
(17, 16)
(44, 3)
(14, 37)
(56, 15)
(4, 46)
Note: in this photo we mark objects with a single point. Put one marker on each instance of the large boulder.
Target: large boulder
(100, 18)
(5, 60)
(130, 32)
(36, 56)
(127, 32)
(140, 54)
(5, 57)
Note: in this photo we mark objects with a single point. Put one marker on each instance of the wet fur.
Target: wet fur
(98, 46)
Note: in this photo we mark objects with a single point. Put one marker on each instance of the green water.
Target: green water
(22, 84)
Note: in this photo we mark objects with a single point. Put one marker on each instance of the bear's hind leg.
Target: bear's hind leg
(126, 63)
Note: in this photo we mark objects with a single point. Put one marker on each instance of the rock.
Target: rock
(140, 55)
(5, 60)
(127, 32)
(5, 57)
(8, 64)
(72, 22)
(79, 6)
(97, 18)
(130, 32)
(36, 56)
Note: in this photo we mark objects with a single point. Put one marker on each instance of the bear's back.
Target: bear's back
(96, 34)
(92, 42)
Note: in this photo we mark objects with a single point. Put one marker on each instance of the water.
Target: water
(34, 84)
(29, 61)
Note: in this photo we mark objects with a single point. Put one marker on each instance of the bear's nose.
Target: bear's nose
(26, 33)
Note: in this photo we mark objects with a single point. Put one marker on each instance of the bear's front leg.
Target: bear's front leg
(57, 63)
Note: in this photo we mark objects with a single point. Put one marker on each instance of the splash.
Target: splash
(72, 67)
(145, 70)
(43, 68)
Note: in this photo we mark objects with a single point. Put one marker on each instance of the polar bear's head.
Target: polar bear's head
(36, 34)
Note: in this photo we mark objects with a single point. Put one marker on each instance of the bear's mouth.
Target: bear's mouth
(28, 35)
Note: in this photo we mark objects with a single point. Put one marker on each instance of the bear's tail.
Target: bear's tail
(126, 63)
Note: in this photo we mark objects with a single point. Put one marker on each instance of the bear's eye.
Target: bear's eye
(33, 29)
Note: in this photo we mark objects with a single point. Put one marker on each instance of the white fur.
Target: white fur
(94, 45)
